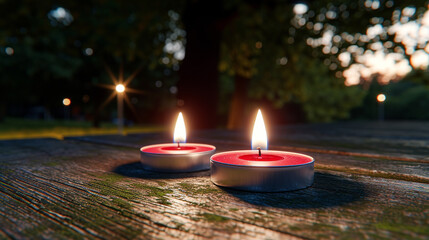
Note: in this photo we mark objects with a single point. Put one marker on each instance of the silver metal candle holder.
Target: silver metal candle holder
(176, 163)
(262, 178)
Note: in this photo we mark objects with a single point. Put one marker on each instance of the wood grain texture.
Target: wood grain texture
(95, 188)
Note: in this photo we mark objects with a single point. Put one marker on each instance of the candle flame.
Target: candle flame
(259, 135)
(180, 130)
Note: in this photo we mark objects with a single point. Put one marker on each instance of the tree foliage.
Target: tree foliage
(271, 46)
(266, 51)
(54, 57)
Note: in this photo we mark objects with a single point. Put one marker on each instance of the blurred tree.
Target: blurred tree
(277, 51)
(55, 49)
(290, 53)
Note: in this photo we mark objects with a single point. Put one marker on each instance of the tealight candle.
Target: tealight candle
(262, 170)
(178, 156)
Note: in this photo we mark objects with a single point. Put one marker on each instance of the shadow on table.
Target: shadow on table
(327, 191)
(136, 170)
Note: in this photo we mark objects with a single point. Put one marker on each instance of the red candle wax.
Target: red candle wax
(172, 148)
(268, 158)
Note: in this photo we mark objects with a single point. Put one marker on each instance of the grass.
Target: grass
(17, 128)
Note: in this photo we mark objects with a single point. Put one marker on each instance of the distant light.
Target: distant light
(389, 4)
(66, 101)
(88, 51)
(60, 15)
(158, 84)
(375, 5)
(120, 88)
(318, 26)
(179, 55)
(420, 59)
(331, 15)
(381, 97)
(368, 3)
(300, 8)
(283, 61)
(165, 60)
(336, 38)
(409, 11)
(173, 90)
(9, 51)
(374, 31)
(345, 58)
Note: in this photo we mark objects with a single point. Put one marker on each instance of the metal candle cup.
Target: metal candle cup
(262, 170)
(275, 171)
(179, 156)
(189, 157)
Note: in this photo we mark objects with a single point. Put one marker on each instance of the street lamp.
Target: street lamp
(120, 89)
(380, 99)
(66, 103)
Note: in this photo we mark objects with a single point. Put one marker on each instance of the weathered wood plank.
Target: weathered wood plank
(74, 189)
(369, 164)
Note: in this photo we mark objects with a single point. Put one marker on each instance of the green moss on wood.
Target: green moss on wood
(35, 231)
(161, 183)
(122, 203)
(214, 217)
(111, 177)
(198, 189)
(402, 229)
(51, 164)
(404, 221)
(5, 171)
(108, 186)
(95, 213)
(63, 232)
(152, 191)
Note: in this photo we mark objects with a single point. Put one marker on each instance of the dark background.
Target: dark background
(217, 61)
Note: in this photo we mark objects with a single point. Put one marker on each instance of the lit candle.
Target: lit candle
(178, 156)
(260, 169)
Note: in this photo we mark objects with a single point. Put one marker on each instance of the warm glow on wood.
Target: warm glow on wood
(259, 135)
(180, 130)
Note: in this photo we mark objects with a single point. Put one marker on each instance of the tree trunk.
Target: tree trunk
(238, 103)
(198, 84)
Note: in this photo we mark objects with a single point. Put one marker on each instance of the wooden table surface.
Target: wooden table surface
(371, 181)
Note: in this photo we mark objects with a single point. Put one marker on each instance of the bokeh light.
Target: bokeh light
(9, 51)
(300, 8)
(381, 97)
(66, 101)
(120, 88)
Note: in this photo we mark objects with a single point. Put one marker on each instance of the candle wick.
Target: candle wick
(259, 150)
